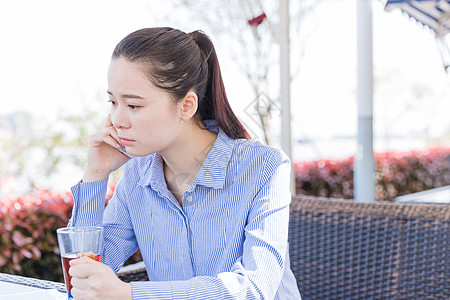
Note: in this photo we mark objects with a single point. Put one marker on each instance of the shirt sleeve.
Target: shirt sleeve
(88, 203)
(89, 210)
(258, 272)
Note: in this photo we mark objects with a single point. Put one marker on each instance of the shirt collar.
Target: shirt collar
(212, 173)
(152, 174)
(214, 169)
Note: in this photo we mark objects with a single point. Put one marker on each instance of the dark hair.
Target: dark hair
(178, 62)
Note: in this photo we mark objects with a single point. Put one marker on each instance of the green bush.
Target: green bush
(397, 173)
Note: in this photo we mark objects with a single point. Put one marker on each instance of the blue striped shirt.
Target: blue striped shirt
(228, 241)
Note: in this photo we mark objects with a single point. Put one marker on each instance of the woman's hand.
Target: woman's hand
(92, 280)
(103, 157)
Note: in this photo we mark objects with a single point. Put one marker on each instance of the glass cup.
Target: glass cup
(75, 242)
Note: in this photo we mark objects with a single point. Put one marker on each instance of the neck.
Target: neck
(184, 160)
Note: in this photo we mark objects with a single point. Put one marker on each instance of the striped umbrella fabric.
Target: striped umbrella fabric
(434, 14)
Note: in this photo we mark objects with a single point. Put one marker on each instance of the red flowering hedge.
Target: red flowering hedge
(29, 247)
(28, 242)
(397, 173)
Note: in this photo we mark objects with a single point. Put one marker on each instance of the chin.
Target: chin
(144, 153)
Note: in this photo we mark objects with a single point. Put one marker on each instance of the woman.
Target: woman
(207, 206)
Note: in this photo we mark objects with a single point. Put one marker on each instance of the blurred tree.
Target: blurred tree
(37, 152)
(409, 112)
(249, 27)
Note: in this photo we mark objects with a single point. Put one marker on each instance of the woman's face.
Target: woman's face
(144, 115)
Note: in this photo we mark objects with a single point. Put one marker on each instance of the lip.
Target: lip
(126, 142)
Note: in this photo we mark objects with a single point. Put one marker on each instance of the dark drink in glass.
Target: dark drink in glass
(66, 266)
(75, 242)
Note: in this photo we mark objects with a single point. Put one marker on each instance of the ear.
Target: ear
(188, 105)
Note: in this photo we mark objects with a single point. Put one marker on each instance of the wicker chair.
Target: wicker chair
(133, 272)
(342, 249)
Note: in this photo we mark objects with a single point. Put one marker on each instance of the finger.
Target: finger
(78, 294)
(82, 267)
(113, 132)
(112, 142)
(104, 136)
(80, 283)
(78, 272)
(108, 121)
(80, 260)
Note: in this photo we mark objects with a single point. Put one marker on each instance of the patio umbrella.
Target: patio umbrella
(434, 14)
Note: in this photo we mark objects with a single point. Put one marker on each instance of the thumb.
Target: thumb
(81, 260)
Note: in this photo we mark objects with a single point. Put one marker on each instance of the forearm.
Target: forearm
(89, 203)
(227, 285)
(89, 209)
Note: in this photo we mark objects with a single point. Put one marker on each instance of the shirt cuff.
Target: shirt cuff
(158, 290)
(89, 203)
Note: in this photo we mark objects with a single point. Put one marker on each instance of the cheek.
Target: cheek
(168, 115)
(156, 120)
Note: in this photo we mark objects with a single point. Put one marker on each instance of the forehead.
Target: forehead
(123, 71)
(129, 78)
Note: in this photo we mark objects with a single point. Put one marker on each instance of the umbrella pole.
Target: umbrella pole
(285, 85)
(364, 166)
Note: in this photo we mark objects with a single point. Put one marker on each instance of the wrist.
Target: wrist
(127, 292)
(90, 176)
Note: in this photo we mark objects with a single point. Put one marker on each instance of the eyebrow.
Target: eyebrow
(130, 96)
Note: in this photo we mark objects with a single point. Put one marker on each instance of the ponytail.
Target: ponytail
(215, 105)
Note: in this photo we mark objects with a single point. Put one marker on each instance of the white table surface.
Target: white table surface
(440, 195)
(12, 291)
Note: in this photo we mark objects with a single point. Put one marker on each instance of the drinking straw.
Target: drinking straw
(82, 242)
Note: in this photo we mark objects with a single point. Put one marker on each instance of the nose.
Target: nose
(119, 118)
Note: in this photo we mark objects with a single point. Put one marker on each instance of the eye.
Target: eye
(113, 103)
(133, 107)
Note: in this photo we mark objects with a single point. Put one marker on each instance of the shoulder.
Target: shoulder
(254, 150)
(255, 169)
(258, 160)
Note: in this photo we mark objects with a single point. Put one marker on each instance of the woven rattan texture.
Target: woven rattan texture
(139, 274)
(347, 250)
(42, 284)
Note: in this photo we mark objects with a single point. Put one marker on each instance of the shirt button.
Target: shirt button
(189, 198)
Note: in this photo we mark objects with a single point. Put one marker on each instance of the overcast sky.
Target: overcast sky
(54, 56)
